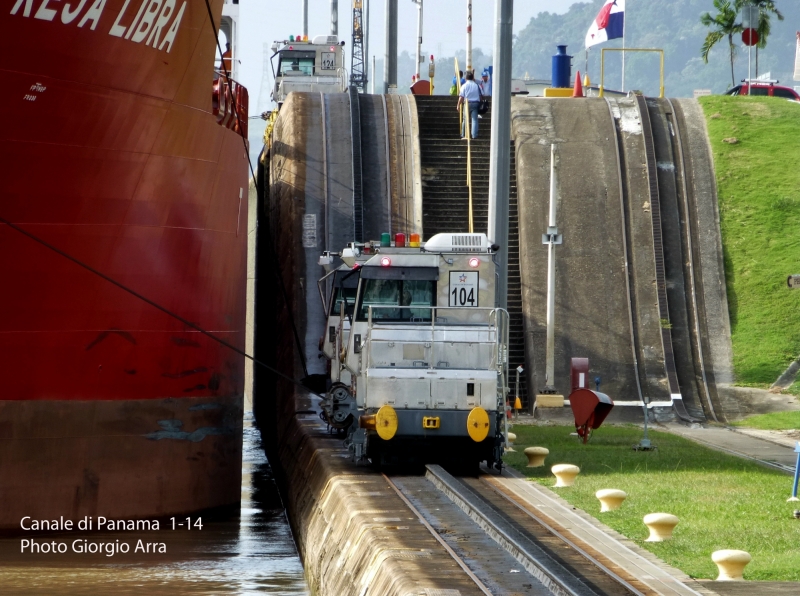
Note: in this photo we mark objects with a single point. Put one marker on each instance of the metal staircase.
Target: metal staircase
(445, 198)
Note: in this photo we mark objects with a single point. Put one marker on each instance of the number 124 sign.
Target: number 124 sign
(463, 288)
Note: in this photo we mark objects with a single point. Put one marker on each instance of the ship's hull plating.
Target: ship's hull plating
(110, 154)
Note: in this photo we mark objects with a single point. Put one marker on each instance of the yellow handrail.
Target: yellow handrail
(463, 115)
(603, 65)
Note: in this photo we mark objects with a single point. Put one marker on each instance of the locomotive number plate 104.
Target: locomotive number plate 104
(463, 289)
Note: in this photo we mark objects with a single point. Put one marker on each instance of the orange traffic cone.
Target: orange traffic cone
(577, 90)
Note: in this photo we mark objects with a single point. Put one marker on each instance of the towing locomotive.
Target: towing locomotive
(417, 350)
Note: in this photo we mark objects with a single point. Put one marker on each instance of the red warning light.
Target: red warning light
(385, 261)
(474, 262)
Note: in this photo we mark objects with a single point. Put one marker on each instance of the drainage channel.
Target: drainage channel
(501, 546)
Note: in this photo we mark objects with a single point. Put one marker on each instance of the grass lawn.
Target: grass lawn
(774, 421)
(758, 182)
(723, 502)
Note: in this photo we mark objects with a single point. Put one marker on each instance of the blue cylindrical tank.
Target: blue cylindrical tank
(562, 68)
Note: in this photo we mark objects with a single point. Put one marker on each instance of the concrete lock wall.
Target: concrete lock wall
(309, 207)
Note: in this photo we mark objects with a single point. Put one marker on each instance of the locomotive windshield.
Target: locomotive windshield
(383, 294)
(296, 63)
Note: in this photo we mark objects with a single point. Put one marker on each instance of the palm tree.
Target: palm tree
(723, 24)
(766, 8)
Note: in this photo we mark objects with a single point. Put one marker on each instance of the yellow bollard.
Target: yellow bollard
(661, 526)
(565, 474)
(731, 564)
(536, 456)
(610, 499)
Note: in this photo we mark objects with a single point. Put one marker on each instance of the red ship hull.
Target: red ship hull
(110, 153)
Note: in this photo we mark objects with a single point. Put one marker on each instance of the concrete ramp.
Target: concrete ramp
(639, 278)
(592, 313)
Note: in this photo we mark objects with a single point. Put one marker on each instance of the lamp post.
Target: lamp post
(468, 60)
(419, 36)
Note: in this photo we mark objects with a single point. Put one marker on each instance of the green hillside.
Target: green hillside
(671, 25)
(758, 181)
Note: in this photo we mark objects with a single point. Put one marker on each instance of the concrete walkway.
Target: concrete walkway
(769, 447)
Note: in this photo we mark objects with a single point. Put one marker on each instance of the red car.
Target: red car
(762, 89)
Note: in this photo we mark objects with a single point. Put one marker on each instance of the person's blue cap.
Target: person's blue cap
(485, 73)
(454, 80)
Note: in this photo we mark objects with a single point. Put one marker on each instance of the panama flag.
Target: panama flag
(609, 24)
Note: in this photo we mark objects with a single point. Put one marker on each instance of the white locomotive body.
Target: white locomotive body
(418, 355)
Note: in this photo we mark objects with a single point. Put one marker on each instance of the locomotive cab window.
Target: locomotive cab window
(346, 295)
(344, 290)
(296, 63)
(384, 294)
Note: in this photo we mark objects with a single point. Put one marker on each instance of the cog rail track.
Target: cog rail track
(558, 565)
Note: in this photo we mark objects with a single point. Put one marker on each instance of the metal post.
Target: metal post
(506, 446)
(335, 17)
(305, 17)
(419, 36)
(552, 237)
(586, 62)
(365, 24)
(390, 55)
(796, 474)
(624, 22)
(602, 70)
(372, 83)
(431, 72)
(468, 65)
(499, 158)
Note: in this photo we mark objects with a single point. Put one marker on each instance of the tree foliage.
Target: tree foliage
(723, 24)
(671, 25)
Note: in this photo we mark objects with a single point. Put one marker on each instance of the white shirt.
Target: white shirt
(470, 91)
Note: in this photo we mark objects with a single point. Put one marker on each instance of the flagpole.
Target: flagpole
(624, 24)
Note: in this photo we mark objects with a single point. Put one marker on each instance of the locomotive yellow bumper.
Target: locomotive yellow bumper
(384, 422)
(475, 425)
(478, 424)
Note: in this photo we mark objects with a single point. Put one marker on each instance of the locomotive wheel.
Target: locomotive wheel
(339, 392)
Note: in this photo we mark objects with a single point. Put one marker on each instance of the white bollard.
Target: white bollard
(731, 564)
(661, 526)
(610, 499)
(565, 474)
(536, 456)
(511, 437)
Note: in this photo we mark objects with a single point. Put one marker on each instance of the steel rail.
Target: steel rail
(660, 267)
(481, 586)
(556, 584)
(489, 481)
(693, 288)
(628, 289)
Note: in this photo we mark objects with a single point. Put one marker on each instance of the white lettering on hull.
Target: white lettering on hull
(67, 16)
(150, 21)
(44, 13)
(116, 29)
(93, 14)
